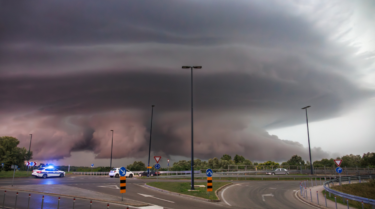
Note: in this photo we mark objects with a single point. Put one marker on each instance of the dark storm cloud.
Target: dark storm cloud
(70, 71)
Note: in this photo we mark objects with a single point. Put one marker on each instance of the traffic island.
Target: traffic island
(182, 189)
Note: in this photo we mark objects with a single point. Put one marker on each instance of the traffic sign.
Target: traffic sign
(122, 171)
(157, 166)
(209, 184)
(92, 165)
(338, 162)
(31, 163)
(209, 172)
(157, 158)
(339, 170)
(149, 167)
(122, 184)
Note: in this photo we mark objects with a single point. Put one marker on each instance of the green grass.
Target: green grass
(183, 187)
(9, 174)
(19, 174)
(239, 178)
(366, 190)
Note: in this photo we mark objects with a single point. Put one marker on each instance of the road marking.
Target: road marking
(111, 186)
(147, 195)
(272, 188)
(222, 195)
(266, 195)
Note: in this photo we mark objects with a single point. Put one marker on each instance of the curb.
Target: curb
(187, 196)
(77, 197)
(309, 203)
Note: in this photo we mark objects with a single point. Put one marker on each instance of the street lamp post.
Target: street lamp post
(149, 147)
(28, 158)
(308, 138)
(192, 123)
(110, 167)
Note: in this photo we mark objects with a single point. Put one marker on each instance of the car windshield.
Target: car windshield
(40, 169)
(113, 170)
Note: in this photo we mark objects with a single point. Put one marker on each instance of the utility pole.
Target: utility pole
(110, 166)
(149, 147)
(308, 138)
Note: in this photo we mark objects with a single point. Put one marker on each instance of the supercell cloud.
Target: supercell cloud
(70, 71)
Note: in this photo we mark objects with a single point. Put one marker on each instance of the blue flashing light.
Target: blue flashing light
(50, 166)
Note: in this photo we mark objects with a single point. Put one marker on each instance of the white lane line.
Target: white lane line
(147, 195)
(222, 195)
(266, 195)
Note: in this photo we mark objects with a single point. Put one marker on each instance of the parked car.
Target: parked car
(47, 172)
(152, 173)
(115, 173)
(278, 171)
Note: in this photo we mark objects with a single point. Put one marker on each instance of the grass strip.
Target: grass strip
(183, 187)
(237, 179)
(366, 190)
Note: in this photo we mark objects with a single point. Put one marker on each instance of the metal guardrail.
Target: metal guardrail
(137, 172)
(348, 196)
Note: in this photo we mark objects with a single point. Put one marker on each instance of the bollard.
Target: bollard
(42, 202)
(362, 205)
(317, 197)
(28, 202)
(310, 195)
(107, 205)
(325, 198)
(90, 203)
(336, 202)
(74, 202)
(15, 204)
(4, 198)
(58, 203)
(347, 203)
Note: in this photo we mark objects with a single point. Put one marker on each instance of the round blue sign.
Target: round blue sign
(122, 171)
(157, 166)
(209, 172)
(339, 170)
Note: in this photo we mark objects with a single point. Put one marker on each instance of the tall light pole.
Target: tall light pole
(110, 167)
(192, 123)
(28, 158)
(149, 147)
(308, 138)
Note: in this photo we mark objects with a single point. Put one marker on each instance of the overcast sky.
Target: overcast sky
(72, 70)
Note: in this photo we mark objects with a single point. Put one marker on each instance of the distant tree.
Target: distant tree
(323, 162)
(268, 164)
(137, 166)
(368, 159)
(10, 154)
(226, 157)
(351, 160)
(256, 163)
(295, 160)
(238, 159)
(247, 162)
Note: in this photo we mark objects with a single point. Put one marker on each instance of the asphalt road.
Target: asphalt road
(243, 194)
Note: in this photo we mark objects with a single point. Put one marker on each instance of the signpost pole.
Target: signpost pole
(149, 147)
(14, 171)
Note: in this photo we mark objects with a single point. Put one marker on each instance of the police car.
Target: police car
(45, 172)
(115, 173)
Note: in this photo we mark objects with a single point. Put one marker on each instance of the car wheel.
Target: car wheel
(61, 175)
(131, 176)
(111, 176)
(116, 176)
(273, 174)
(45, 176)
